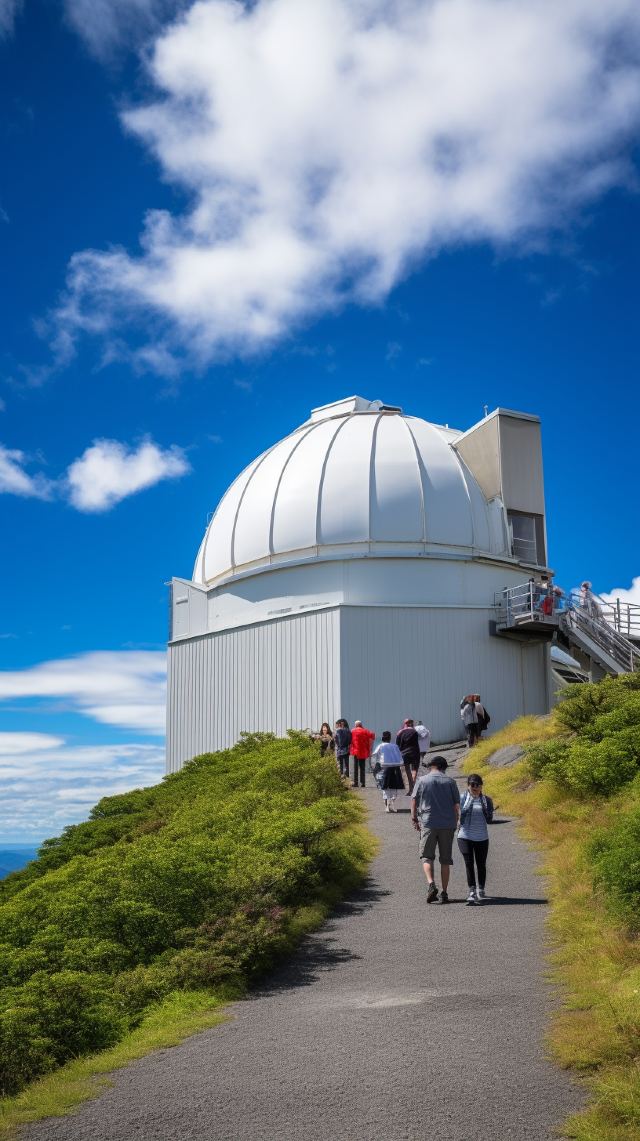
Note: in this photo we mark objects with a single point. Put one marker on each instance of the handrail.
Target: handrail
(580, 610)
(624, 617)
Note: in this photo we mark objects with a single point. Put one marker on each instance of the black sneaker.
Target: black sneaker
(444, 897)
(432, 893)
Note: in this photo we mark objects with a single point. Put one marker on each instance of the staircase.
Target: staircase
(583, 621)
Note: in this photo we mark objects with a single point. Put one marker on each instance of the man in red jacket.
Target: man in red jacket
(361, 742)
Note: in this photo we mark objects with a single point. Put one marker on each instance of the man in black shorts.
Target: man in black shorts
(435, 809)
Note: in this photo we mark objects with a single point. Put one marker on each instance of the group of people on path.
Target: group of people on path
(437, 809)
(353, 748)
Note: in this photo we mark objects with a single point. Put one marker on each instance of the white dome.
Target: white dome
(358, 478)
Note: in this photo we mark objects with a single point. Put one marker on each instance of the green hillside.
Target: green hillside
(197, 883)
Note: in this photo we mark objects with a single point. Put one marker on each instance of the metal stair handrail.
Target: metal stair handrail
(581, 611)
(615, 645)
(623, 617)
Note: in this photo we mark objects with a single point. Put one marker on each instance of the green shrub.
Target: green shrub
(614, 854)
(195, 882)
(599, 751)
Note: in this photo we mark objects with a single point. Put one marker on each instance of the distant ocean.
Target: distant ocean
(13, 857)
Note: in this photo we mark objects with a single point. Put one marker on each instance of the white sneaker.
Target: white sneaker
(471, 898)
(386, 806)
(481, 893)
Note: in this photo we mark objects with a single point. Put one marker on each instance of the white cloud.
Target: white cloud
(108, 472)
(14, 479)
(108, 25)
(45, 789)
(8, 12)
(631, 594)
(327, 146)
(120, 687)
(16, 743)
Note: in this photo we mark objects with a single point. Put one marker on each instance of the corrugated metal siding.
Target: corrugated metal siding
(275, 676)
(419, 662)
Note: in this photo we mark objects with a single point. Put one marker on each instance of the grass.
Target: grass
(594, 958)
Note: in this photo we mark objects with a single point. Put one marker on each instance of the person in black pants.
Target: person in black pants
(408, 743)
(476, 813)
(342, 737)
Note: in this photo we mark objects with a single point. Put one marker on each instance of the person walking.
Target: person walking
(435, 808)
(361, 742)
(408, 743)
(476, 813)
(483, 715)
(424, 742)
(470, 720)
(342, 738)
(326, 739)
(389, 757)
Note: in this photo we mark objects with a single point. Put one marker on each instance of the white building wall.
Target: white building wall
(272, 677)
(376, 663)
(399, 662)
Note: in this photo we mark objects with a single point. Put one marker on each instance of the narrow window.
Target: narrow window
(523, 537)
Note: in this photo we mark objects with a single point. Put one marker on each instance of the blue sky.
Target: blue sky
(405, 209)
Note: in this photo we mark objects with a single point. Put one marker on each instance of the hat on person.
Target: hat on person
(438, 762)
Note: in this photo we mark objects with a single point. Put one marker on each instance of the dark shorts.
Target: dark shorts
(443, 838)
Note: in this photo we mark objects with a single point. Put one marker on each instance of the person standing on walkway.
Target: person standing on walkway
(476, 812)
(361, 742)
(424, 741)
(483, 715)
(408, 743)
(326, 739)
(470, 720)
(342, 737)
(435, 809)
(389, 758)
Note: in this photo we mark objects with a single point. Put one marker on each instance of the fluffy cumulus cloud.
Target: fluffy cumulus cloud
(106, 473)
(329, 146)
(625, 594)
(109, 472)
(47, 784)
(126, 688)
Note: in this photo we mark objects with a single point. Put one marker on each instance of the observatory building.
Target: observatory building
(351, 571)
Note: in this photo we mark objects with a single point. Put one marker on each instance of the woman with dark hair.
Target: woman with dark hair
(342, 738)
(326, 739)
(476, 812)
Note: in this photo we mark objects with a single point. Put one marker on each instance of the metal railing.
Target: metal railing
(517, 603)
(614, 644)
(623, 617)
(580, 611)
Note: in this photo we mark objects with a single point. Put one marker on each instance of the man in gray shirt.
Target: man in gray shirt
(435, 809)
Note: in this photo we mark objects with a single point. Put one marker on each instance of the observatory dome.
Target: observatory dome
(359, 478)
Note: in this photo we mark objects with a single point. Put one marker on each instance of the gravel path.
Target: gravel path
(394, 1022)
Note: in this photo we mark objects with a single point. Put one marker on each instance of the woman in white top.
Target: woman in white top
(476, 813)
(389, 758)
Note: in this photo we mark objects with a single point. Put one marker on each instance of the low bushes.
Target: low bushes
(200, 882)
(597, 750)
